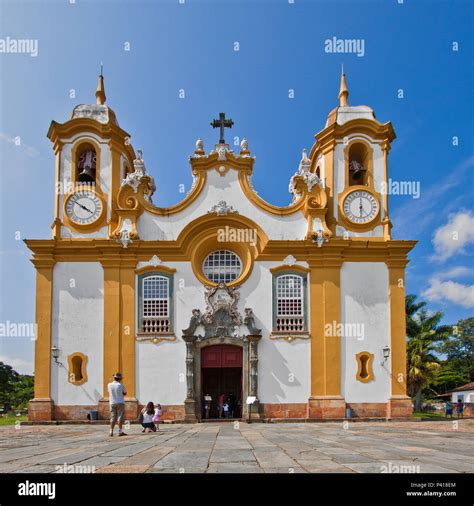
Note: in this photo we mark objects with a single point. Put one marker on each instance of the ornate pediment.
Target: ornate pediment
(221, 317)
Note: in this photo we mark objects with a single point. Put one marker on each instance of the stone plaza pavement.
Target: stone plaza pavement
(364, 447)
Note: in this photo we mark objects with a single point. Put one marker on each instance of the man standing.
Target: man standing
(117, 403)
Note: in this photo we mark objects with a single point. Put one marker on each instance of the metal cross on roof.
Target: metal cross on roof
(222, 123)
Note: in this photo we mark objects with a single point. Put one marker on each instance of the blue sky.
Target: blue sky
(191, 47)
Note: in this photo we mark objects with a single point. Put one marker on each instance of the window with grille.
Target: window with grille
(289, 295)
(155, 304)
(222, 266)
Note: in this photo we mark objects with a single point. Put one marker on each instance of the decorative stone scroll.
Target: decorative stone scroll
(220, 323)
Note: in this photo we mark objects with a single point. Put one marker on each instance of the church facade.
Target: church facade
(294, 312)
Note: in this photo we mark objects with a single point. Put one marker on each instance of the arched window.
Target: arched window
(289, 303)
(86, 165)
(359, 157)
(155, 304)
(222, 266)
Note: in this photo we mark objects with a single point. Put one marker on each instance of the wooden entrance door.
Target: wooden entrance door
(222, 374)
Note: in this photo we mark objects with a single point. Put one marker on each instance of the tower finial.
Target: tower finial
(100, 92)
(343, 92)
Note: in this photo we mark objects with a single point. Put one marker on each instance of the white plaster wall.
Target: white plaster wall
(161, 372)
(284, 374)
(468, 396)
(283, 370)
(365, 299)
(217, 187)
(78, 326)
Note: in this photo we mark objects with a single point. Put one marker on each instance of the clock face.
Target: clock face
(84, 207)
(360, 207)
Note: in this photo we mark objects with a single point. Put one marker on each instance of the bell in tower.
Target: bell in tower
(87, 167)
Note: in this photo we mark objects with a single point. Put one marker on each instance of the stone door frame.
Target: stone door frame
(249, 345)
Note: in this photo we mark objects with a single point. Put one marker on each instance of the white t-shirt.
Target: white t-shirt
(147, 418)
(116, 393)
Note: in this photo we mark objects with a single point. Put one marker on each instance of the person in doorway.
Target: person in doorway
(157, 416)
(117, 403)
(449, 409)
(146, 418)
(226, 410)
(460, 408)
(220, 404)
(207, 405)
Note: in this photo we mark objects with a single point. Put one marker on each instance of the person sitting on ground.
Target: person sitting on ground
(146, 418)
(157, 417)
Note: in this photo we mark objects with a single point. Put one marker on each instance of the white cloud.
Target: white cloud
(455, 272)
(453, 237)
(425, 210)
(19, 365)
(17, 141)
(450, 291)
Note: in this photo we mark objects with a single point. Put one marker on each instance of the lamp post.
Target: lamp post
(386, 354)
(55, 353)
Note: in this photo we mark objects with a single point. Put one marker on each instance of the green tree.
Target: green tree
(424, 332)
(457, 366)
(15, 389)
(8, 380)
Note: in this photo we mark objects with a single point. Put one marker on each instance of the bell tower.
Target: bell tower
(351, 157)
(93, 155)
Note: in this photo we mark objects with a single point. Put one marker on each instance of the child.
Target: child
(449, 409)
(226, 410)
(157, 417)
(146, 416)
(460, 408)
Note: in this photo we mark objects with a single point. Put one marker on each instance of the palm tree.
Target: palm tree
(424, 332)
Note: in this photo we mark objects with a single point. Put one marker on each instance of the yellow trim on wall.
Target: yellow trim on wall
(81, 144)
(44, 301)
(284, 268)
(368, 366)
(325, 308)
(158, 268)
(112, 319)
(127, 324)
(262, 204)
(369, 167)
(346, 222)
(396, 272)
(71, 375)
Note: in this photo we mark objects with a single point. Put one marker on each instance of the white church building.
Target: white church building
(300, 308)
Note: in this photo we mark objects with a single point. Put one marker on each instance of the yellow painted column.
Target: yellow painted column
(41, 407)
(112, 362)
(44, 303)
(127, 329)
(325, 302)
(400, 403)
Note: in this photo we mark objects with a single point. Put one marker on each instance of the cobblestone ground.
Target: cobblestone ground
(433, 447)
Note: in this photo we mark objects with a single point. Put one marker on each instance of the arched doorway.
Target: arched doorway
(222, 374)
